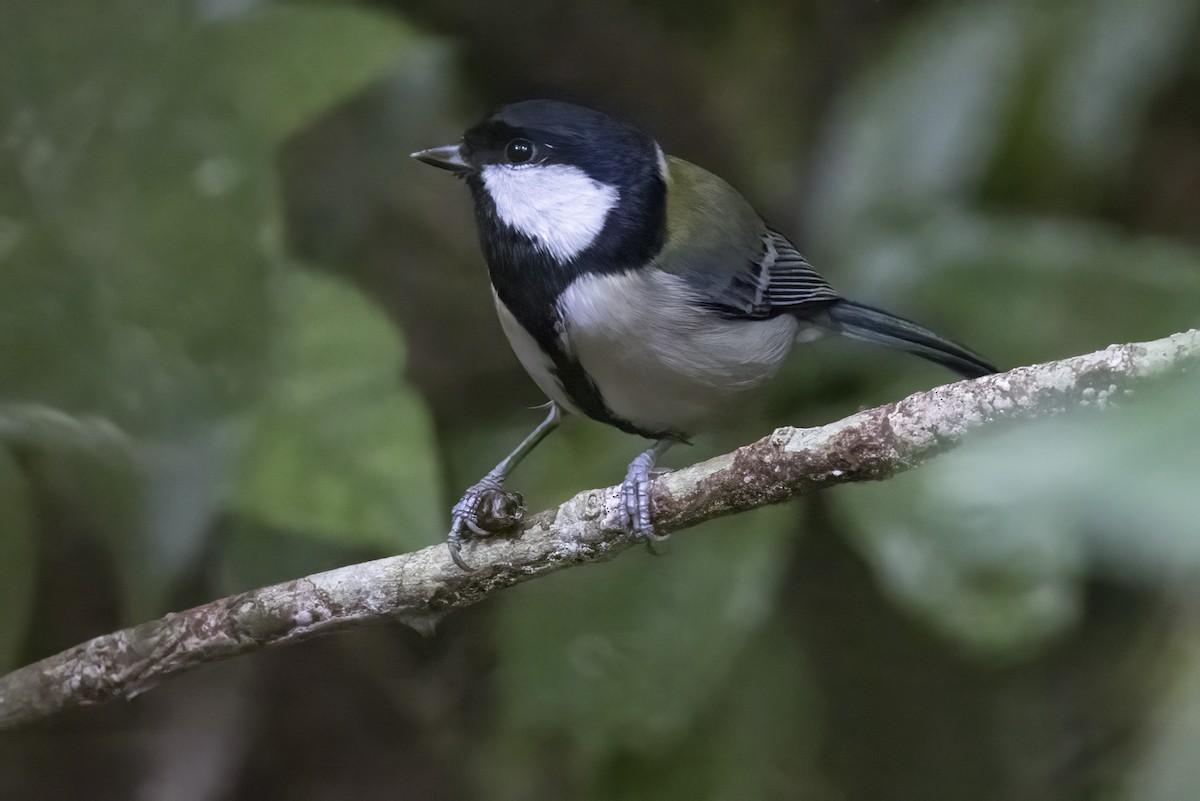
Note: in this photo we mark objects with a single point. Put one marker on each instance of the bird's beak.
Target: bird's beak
(448, 157)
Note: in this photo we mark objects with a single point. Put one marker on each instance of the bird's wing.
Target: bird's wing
(736, 265)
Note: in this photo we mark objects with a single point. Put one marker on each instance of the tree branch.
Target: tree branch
(419, 588)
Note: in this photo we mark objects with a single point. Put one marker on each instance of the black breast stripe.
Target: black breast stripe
(529, 282)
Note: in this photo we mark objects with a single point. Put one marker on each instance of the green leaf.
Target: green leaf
(975, 110)
(139, 241)
(1094, 103)
(971, 89)
(344, 449)
(755, 740)
(140, 220)
(999, 586)
(16, 561)
(1169, 770)
(286, 64)
(629, 655)
(990, 543)
(1124, 481)
(140, 247)
(922, 125)
(139, 228)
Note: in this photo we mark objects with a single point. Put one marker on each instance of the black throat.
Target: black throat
(529, 281)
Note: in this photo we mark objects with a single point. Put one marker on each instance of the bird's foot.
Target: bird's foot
(486, 508)
(634, 500)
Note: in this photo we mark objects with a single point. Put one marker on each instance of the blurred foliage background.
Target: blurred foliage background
(243, 337)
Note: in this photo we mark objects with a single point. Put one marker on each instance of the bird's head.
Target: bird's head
(567, 178)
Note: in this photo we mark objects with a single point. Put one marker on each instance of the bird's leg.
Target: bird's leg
(635, 494)
(465, 516)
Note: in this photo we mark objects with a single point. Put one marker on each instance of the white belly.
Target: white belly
(656, 361)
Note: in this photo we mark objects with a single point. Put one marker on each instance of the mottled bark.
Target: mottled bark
(419, 588)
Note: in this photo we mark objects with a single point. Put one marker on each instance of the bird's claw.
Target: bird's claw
(635, 501)
(484, 509)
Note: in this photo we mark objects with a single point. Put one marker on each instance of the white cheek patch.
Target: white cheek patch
(558, 206)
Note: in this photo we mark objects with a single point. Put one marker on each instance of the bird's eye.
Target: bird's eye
(519, 151)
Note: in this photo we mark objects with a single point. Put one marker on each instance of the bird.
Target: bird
(638, 289)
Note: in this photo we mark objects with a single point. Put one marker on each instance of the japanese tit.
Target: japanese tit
(637, 288)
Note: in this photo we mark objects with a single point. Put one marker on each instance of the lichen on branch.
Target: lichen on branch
(419, 588)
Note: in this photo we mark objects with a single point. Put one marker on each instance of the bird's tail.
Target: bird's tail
(873, 325)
